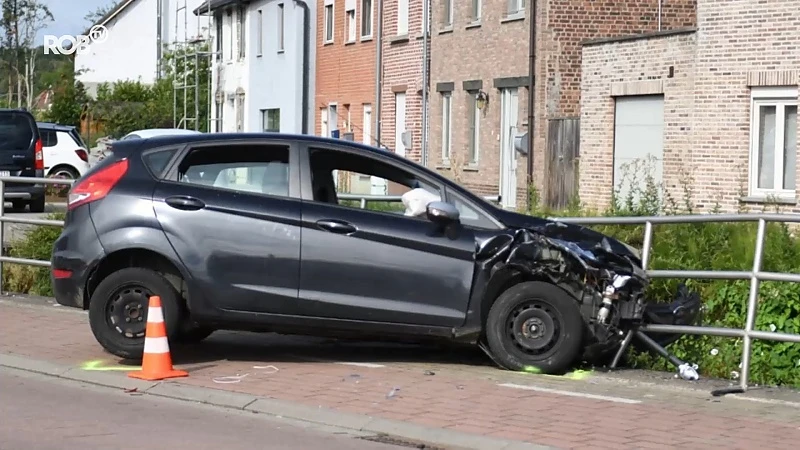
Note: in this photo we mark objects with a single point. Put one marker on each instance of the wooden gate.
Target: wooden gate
(563, 150)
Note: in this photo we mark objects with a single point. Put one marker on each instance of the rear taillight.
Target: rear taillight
(97, 185)
(39, 155)
(82, 155)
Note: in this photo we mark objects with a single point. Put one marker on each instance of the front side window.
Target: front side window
(258, 169)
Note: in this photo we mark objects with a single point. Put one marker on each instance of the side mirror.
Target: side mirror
(442, 213)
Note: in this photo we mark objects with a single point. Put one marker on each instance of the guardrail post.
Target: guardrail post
(363, 203)
(648, 242)
(752, 303)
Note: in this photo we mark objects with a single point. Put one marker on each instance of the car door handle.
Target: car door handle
(185, 203)
(336, 226)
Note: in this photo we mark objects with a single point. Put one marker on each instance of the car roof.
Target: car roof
(54, 126)
(153, 132)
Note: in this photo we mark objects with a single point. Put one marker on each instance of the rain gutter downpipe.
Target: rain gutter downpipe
(531, 89)
(306, 57)
(378, 74)
(425, 78)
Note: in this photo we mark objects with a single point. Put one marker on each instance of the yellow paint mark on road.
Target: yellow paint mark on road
(97, 365)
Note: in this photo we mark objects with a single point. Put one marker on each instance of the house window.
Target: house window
(773, 142)
(351, 25)
(474, 121)
(515, 6)
(448, 13)
(280, 26)
(218, 34)
(447, 131)
(366, 19)
(333, 118)
(402, 17)
(475, 13)
(271, 120)
(240, 112)
(220, 108)
(240, 37)
(260, 32)
(228, 35)
(366, 126)
(328, 23)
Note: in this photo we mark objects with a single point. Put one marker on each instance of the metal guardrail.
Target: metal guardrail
(5, 219)
(756, 275)
(365, 198)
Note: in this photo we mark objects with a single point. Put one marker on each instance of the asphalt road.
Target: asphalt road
(44, 413)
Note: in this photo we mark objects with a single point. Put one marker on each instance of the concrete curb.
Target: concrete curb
(270, 407)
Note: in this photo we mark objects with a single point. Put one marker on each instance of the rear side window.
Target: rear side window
(49, 138)
(157, 161)
(16, 131)
(78, 139)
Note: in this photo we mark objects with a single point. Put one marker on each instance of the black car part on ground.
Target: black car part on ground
(608, 285)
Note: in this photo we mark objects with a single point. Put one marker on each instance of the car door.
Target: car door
(233, 217)
(360, 264)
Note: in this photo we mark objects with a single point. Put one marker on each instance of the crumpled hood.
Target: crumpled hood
(584, 238)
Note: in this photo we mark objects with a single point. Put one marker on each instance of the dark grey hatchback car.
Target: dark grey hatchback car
(246, 232)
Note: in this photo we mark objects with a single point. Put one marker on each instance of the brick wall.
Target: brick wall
(740, 43)
(563, 26)
(641, 65)
(402, 72)
(345, 71)
(498, 48)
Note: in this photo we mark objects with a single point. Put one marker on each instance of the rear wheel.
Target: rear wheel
(18, 205)
(118, 310)
(535, 324)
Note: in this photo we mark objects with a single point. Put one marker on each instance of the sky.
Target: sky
(68, 15)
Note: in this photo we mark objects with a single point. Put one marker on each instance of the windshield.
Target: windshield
(16, 131)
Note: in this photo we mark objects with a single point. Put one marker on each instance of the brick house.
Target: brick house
(402, 77)
(345, 73)
(480, 51)
(715, 107)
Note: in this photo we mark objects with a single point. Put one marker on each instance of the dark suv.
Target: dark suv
(247, 231)
(21, 156)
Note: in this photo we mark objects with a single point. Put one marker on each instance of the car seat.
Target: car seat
(323, 186)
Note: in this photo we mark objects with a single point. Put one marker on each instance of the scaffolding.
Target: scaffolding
(189, 56)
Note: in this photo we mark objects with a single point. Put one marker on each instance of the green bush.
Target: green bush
(710, 246)
(37, 244)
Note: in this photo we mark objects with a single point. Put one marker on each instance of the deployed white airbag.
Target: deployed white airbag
(416, 201)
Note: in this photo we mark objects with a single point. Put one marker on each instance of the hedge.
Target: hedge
(720, 246)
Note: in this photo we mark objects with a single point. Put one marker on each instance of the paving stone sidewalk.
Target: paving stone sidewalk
(450, 389)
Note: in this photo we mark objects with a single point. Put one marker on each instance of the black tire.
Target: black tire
(543, 305)
(18, 205)
(131, 288)
(37, 204)
(194, 334)
(67, 172)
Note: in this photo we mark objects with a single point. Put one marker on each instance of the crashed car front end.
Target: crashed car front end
(604, 275)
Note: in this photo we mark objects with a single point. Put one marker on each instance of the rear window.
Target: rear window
(16, 131)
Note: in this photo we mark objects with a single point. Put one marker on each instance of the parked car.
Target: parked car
(65, 153)
(153, 132)
(246, 231)
(21, 155)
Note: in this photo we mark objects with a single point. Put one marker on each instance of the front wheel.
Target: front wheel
(118, 310)
(535, 324)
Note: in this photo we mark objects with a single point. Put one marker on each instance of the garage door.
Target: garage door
(638, 135)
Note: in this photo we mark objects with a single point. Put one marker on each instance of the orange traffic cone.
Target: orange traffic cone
(157, 362)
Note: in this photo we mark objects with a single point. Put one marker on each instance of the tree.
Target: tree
(21, 21)
(69, 99)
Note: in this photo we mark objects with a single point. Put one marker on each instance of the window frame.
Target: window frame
(351, 26)
(281, 28)
(449, 13)
(473, 128)
(515, 7)
(265, 119)
(476, 9)
(170, 176)
(780, 98)
(447, 126)
(260, 34)
(328, 28)
(241, 32)
(363, 21)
